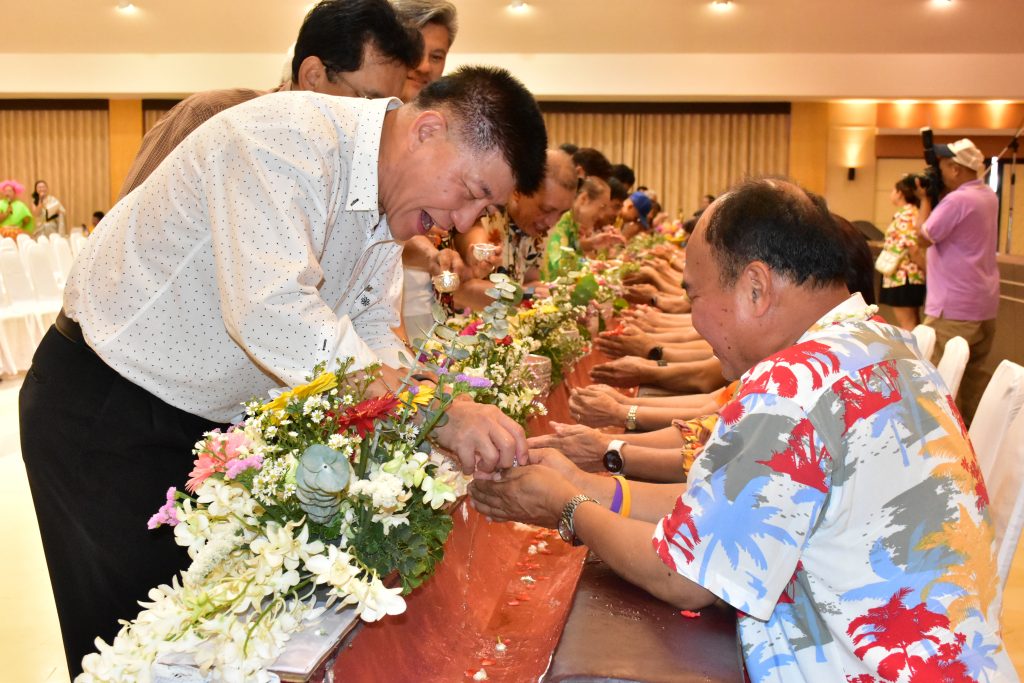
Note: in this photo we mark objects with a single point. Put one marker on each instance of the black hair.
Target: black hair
(569, 148)
(691, 223)
(492, 110)
(98, 215)
(781, 225)
(860, 271)
(336, 31)
(709, 197)
(619, 191)
(906, 187)
(592, 162)
(624, 174)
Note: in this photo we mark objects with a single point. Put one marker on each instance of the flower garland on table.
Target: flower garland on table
(490, 357)
(323, 486)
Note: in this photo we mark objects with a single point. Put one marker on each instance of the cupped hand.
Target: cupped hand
(532, 494)
(482, 437)
(582, 445)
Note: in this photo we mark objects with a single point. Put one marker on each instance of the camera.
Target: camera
(931, 177)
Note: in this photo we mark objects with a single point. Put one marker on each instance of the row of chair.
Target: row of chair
(32, 277)
(997, 435)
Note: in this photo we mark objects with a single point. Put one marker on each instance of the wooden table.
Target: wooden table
(519, 586)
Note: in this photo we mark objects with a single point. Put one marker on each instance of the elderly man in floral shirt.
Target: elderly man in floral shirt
(838, 505)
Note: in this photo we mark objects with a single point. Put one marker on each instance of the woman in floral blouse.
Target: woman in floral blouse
(904, 288)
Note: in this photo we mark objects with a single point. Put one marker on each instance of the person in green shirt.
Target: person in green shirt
(591, 202)
(14, 212)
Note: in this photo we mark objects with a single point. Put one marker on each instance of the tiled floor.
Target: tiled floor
(30, 649)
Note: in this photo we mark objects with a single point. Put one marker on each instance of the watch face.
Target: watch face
(613, 462)
(563, 531)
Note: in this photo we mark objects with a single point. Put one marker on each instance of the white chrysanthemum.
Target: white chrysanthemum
(386, 491)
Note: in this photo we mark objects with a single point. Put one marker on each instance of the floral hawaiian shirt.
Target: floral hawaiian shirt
(839, 507)
(900, 236)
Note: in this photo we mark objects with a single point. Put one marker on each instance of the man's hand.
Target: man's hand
(595, 407)
(449, 259)
(628, 371)
(631, 341)
(533, 494)
(482, 267)
(482, 437)
(556, 460)
(640, 294)
(582, 445)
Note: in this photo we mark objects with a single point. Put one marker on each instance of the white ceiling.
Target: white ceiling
(674, 48)
(578, 26)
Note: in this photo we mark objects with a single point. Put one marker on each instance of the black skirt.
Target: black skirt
(907, 296)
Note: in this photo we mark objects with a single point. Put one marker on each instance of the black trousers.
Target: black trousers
(100, 453)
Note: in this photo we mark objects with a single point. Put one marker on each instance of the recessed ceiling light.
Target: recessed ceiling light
(721, 5)
(942, 3)
(127, 8)
(518, 6)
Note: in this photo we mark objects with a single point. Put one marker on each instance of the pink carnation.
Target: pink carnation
(218, 454)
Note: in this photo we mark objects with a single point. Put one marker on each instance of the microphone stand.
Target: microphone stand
(1012, 148)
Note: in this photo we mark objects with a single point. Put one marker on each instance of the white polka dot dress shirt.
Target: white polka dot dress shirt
(253, 252)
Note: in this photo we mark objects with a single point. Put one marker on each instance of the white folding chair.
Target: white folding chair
(61, 248)
(78, 242)
(1006, 501)
(49, 298)
(998, 407)
(20, 325)
(925, 338)
(953, 362)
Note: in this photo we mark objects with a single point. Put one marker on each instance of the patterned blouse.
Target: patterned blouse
(899, 237)
(839, 507)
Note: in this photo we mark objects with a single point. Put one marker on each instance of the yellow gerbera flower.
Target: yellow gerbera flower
(325, 382)
(424, 395)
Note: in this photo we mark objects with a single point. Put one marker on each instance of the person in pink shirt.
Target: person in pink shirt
(963, 277)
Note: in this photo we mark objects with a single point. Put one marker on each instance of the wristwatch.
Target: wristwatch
(631, 418)
(613, 456)
(655, 353)
(565, 525)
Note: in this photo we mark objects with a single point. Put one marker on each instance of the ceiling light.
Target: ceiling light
(942, 3)
(127, 8)
(721, 5)
(518, 6)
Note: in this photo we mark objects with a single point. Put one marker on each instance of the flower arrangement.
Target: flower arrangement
(490, 357)
(554, 322)
(322, 487)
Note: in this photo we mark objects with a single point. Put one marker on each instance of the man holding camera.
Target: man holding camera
(963, 277)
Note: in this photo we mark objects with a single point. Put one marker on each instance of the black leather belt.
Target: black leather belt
(69, 328)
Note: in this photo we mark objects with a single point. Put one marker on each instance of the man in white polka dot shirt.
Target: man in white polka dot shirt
(268, 241)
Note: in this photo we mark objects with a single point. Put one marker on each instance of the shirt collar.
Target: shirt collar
(362, 193)
(852, 309)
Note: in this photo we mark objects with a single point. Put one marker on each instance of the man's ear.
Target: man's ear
(428, 126)
(312, 74)
(759, 288)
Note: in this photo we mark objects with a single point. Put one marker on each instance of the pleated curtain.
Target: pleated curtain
(685, 155)
(68, 148)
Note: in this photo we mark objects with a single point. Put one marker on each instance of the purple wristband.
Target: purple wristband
(617, 498)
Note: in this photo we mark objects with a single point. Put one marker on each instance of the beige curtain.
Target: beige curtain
(66, 147)
(681, 156)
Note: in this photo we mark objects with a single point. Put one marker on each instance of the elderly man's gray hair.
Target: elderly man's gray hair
(419, 13)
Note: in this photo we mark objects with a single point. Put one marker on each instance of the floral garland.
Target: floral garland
(323, 486)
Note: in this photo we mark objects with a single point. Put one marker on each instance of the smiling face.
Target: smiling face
(42, 189)
(436, 43)
(718, 312)
(437, 180)
(536, 213)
